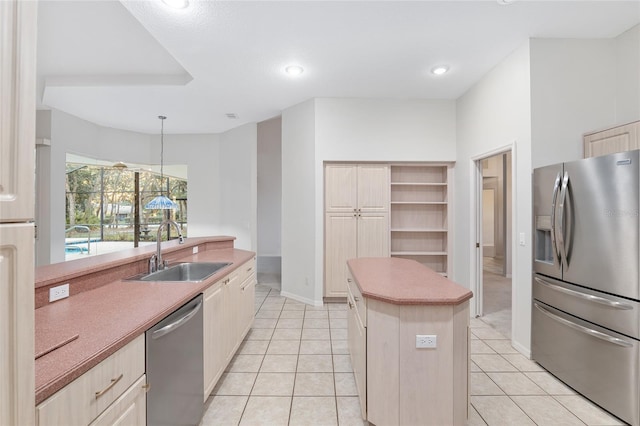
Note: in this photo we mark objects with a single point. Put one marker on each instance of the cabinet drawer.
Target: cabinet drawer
(90, 394)
(129, 409)
(360, 303)
(247, 269)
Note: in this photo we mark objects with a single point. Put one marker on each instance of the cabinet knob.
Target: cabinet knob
(350, 305)
(356, 298)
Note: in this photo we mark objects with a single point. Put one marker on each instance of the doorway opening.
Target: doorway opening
(494, 217)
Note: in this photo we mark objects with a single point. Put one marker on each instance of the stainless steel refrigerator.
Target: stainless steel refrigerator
(586, 284)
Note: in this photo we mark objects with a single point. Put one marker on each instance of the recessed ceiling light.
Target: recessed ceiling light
(293, 70)
(176, 4)
(439, 70)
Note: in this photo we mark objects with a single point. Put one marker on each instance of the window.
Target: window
(105, 207)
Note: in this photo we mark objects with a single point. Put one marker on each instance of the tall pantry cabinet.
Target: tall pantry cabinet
(17, 172)
(356, 219)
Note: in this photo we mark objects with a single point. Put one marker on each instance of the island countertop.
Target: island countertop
(404, 282)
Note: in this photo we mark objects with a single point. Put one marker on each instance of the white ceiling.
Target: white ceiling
(123, 63)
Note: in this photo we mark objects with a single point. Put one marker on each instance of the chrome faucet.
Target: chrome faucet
(156, 263)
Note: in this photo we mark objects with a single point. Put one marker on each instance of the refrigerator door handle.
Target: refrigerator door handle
(585, 330)
(554, 199)
(589, 297)
(561, 211)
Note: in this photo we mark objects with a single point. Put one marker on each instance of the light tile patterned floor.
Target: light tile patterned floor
(294, 369)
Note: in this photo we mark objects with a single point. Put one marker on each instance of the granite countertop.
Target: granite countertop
(404, 282)
(108, 317)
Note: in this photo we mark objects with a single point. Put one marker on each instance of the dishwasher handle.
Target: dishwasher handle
(177, 323)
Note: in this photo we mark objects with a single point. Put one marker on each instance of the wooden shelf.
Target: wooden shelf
(418, 253)
(420, 214)
(439, 203)
(418, 230)
(418, 184)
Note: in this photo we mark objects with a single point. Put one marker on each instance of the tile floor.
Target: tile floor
(293, 369)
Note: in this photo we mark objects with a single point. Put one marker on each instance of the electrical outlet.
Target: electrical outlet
(426, 341)
(59, 292)
(195, 250)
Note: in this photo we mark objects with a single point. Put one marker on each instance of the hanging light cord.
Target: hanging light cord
(162, 118)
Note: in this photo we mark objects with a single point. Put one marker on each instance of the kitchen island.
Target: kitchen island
(396, 305)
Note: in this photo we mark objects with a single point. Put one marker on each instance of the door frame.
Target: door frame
(475, 226)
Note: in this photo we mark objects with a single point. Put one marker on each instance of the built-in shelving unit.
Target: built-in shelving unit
(420, 207)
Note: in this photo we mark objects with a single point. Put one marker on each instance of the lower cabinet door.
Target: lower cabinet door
(248, 291)
(129, 409)
(214, 333)
(357, 341)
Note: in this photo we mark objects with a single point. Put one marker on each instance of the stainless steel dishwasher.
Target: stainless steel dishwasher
(175, 367)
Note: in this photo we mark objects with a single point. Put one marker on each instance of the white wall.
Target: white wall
(269, 165)
(221, 173)
(71, 134)
(346, 130)
(299, 203)
(579, 86)
(385, 130)
(493, 114)
(627, 51)
(572, 92)
(238, 189)
(201, 154)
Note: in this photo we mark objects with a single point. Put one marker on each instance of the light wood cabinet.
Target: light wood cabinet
(18, 120)
(17, 379)
(617, 139)
(228, 316)
(215, 330)
(355, 188)
(420, 209)
(357, 341)
(18, 37)
(399, 384)
(247, 299)
(356, 219)
(129, 409)
(348, 236)
(84, 399)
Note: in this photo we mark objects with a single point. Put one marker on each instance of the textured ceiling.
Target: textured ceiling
(121, 64)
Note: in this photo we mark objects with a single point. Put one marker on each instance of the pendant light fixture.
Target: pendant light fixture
(161, 202)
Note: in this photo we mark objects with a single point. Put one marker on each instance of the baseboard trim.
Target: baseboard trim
(520, 348)
(301, 299)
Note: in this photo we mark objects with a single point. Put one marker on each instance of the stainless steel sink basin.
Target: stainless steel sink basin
(183, 272)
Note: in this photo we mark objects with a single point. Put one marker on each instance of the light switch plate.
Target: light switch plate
(522, 239)
(195, 250)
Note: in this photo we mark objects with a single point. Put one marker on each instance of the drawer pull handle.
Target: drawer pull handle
(356, 298)
(348, 280)
(109, 386)
(350, 305)
(249, 270)
(146, 387)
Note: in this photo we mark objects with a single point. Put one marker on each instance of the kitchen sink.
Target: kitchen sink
(183, 272)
